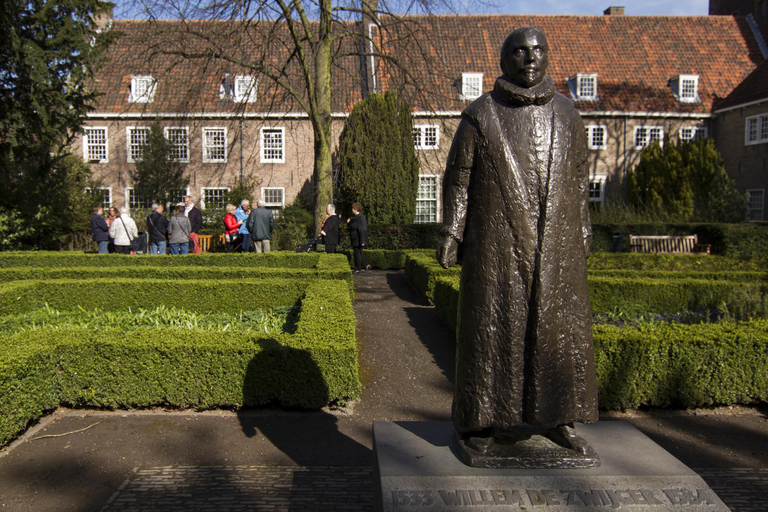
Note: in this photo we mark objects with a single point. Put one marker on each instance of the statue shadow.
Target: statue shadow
(283, 394)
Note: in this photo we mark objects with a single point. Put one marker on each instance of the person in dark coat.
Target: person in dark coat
(260, 224)
(515, 195)
(358, 237)
(100, 230)
(329, 229)
(195, 217)
(157, 226)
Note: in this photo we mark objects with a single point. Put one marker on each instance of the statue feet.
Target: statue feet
(526, 447)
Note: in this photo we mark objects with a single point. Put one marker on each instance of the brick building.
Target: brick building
(635, 79)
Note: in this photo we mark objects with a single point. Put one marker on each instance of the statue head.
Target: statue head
(524, 56)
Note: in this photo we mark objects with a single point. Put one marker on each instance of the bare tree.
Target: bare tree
(302, 49)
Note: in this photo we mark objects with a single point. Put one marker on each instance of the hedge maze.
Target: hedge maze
(213, 331)
(671, 331)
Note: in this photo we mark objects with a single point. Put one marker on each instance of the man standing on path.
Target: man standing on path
(195, 217)
(516, 200)
(241, 214)
(157, 225)
(260, 224)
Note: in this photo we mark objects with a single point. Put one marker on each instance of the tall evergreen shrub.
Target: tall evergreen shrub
(377, 162)
(685, 182)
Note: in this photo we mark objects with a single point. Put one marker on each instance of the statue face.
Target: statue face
(526, 62)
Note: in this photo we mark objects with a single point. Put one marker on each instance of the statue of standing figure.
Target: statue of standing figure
(516, 209)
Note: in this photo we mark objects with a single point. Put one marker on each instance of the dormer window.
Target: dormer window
(240, 89)
(471, 86)
(686, 88)
(142, 89)
(583, 87)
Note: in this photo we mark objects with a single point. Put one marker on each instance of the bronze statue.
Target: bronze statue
(515, 208)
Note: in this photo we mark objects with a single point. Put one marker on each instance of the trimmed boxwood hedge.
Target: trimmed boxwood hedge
(277, 259)
(672, 262)
(315, 365)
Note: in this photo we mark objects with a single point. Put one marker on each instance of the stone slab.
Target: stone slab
(417, 468)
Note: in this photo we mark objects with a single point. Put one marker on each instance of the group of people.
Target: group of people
(117, 232)
(358, 234)
(245, 228)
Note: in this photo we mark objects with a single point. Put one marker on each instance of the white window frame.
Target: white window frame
(265, 159)
(173, 145)
(423, 199)
(471, 86)
(142, 89)
(697, 132)
(244, 89)
(581, 80)
(202, 196)
(273, 206)
(690, 97)
(760, 125)
(209, 131)
(128, 194)
(105, 203)
(600, 199)
(647, 137)
(88, 146)
(420, 139)
(591, 129)
(129, 146)
(756, 204)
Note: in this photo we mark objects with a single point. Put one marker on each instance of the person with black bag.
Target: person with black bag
(124, 232)
(329, 229)
(157, 225)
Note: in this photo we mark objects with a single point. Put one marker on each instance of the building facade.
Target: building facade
(634, 79)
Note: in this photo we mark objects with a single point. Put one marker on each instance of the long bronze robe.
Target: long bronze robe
(515, 195)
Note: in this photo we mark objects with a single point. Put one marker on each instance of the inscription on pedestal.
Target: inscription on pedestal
(544, 498)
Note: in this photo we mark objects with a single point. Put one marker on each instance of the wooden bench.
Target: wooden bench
(668, 244)
(208, 242)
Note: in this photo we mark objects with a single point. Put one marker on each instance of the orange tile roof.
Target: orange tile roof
(633, 56)
(753, 88)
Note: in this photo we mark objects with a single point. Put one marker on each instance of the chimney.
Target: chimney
(614, 11)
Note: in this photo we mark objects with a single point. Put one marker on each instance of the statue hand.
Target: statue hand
(448, 251)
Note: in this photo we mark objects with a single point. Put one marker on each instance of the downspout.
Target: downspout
(242, 158)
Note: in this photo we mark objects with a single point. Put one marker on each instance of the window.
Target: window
(177, 196)
(686, 88)
(214, 145)
(142, 89)
(426, 136)
(135, 202)
(95, 145)
(273, 145)
(273, 199)
(213, 198)
(597, 192)
(645, 135)
(178, 143)
(690, 133)
(757, 129)
(755, 204)
(596, 136)
(471, 85)
(583, 86)
(244, 89)
(426, 200)
(104, 194)
(137, 140)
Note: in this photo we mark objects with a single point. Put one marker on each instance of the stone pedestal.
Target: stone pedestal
(418, 469)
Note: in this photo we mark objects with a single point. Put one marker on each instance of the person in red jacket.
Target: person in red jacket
(231, 225)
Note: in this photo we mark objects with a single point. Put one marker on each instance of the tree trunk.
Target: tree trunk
(321, 118)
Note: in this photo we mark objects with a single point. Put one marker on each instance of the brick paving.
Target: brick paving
(742, 489)
(244, 488)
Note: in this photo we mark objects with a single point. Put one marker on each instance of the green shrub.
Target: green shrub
(182, 367)
(380, 259)
(671, 262)
(422, 268)
(682, 365)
